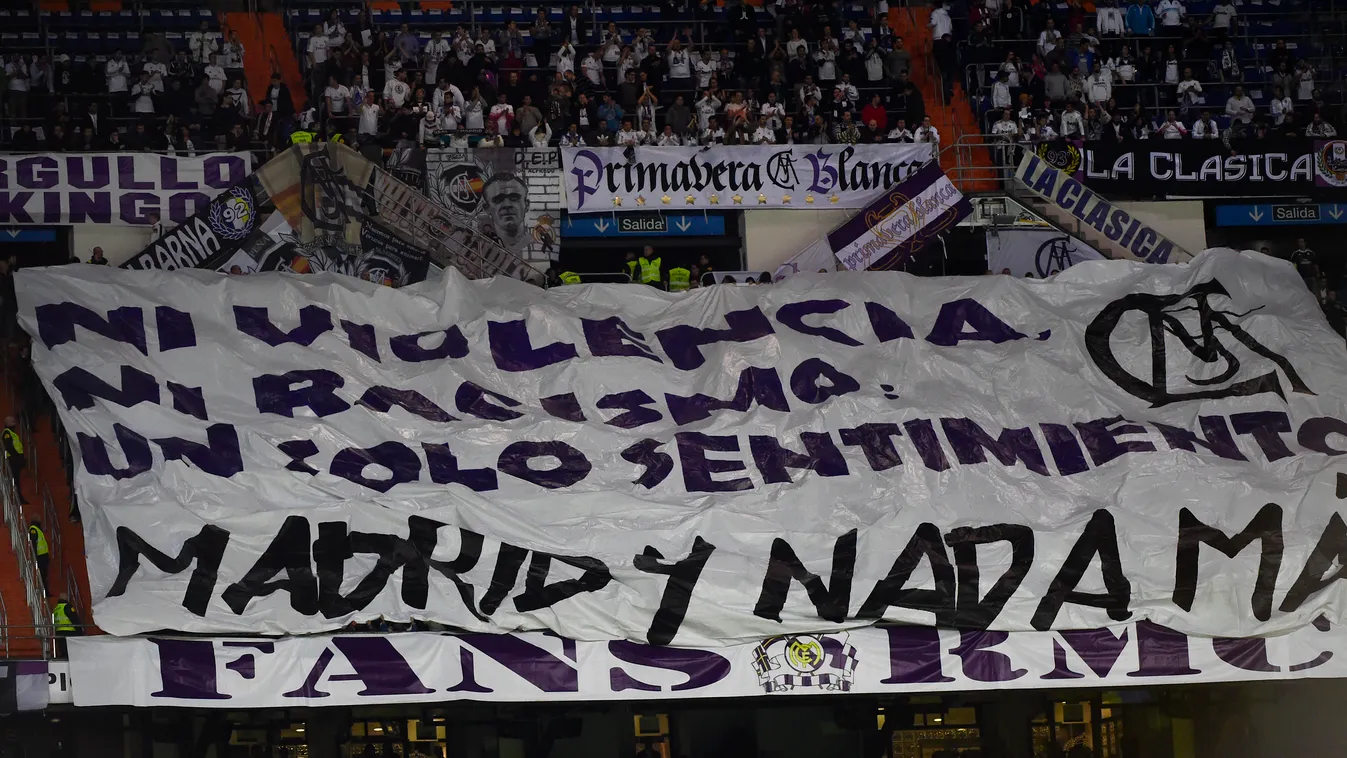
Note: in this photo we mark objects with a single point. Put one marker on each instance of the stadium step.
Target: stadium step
(266, 50)
(955, 122)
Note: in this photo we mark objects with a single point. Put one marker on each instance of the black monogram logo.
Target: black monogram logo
(1206, 346)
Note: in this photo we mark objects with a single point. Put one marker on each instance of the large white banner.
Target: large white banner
(113, 188)
(804, 177)
(1124, 442)
(1037, 253)
(420, 667)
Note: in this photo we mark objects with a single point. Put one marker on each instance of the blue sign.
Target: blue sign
(13, 234)
(694, 224)
(1281, 214)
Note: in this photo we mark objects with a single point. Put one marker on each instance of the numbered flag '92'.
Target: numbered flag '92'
(290, 454)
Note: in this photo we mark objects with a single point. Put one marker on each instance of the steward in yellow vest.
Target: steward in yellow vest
(679, 279)
(570, 277)
(650, 267)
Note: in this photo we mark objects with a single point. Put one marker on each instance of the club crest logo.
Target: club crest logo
(233, 215)
(1330, 163)
(1198, 349)
(822, 662)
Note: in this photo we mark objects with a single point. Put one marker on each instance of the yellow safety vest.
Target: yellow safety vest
(679, 278)
(61, 618)
(570, 277)
(649, 270)
(42, 548)
(14, 440)
(300, 137)
(631, 269)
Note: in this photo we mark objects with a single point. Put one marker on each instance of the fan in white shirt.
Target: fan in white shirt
(337, 97)
(397, 90)
(1170, 12)
(437, 49)
(764, 134)
(773, 111)
(927, 133)
(318, 47)
(1281, 107)
(940, 21)
(501, 117)
(627, 136)
(1048, 40)
(117, 70)
(202, 45)
(592, 66)
(900, 133)
(428, 129)
(1073, 124)
(795, 44)
(706, 68)
(1172, 128)
(1223, 16)
(451, 117)
(667, 138)
(566, 61)
(369, 117)
(1206, 128)
(453, 96)
(143, 92)
(157, 72)
(216, 75)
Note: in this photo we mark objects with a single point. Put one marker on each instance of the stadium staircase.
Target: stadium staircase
(266, 50)
(955, 121)
(1063, 220)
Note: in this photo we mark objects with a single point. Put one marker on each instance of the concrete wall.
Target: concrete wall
(770, 237)
(1182, 221)
(119, 243)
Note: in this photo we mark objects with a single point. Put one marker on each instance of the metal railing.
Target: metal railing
(23, 551)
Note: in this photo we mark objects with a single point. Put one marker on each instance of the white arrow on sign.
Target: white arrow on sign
(1335, 212)
(601, 225)
(13, 233)
(1256, 214)
(683, 224)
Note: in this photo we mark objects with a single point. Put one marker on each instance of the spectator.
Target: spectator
(940, 22)
(1054, 84)
(1319, 128)
(1223, 19)
(900, 133)
(1189, 92)
(1171, 127)
(142, 95)
(202, 45)
(1230, 68)
(898, 62)
(12, 443)
(1205, 127)
(1140, 19)
(1307, 265)
(1171, 13)
(1050, 42)
(1239, 107)
(928, 134)
(1099, 87)
(1073, 126)
(1281, 107)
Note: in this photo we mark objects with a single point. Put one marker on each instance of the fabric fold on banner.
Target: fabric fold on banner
(900, 222)
(736, 177)
(23, 686)
(292, 454)
(114, 188)
(1137, 240)
(352, 670)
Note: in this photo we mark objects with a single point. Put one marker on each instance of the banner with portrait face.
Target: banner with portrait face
(510, 194)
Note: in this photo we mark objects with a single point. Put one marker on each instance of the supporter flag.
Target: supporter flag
(900, 222)
(23, 686)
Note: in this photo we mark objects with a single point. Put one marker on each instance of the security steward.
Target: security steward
(40, 548)
(679, 279)
(66, 622)
(13, 445)
(570, 277)
(630, 267)
(650, 267)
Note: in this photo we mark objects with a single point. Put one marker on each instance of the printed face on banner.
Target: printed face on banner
(514, 195)
(730, 466)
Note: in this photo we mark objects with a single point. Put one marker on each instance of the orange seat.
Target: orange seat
(384, 5)
(55, 6)
(436, 5)
(105, 5)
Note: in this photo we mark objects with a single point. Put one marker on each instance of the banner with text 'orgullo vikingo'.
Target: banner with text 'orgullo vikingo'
(1122, 443)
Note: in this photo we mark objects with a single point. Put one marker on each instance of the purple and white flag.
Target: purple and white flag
(900, 222)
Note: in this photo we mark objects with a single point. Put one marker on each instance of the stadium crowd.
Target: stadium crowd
(1131, 70)
(796, 73)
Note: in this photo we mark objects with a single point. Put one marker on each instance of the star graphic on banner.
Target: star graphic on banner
(834, 199)
(617, 201)
(715, 199)
(738, 199)
(762, 199)
(691, 199)
(809, 199)
(666, 199)
(640, 200)
(785, 199)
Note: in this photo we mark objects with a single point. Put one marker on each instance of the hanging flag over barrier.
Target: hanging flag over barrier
(533, 667)
(291, 454)
(900, 222)
(1140, 242)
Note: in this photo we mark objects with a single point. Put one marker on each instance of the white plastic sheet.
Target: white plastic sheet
(281, 454)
